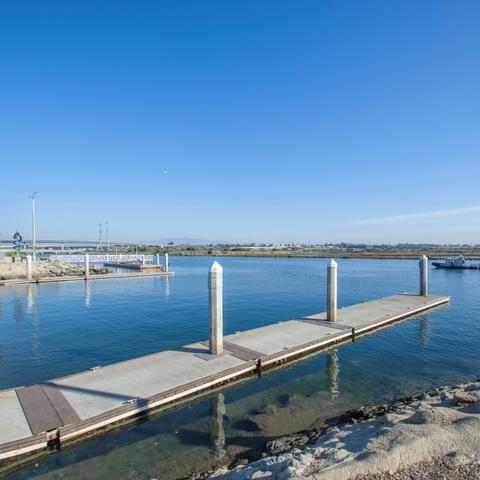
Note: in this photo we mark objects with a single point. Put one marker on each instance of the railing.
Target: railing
(103, 258)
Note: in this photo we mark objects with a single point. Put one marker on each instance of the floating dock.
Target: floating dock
(134, 266)
(60, 411)
(75, 278)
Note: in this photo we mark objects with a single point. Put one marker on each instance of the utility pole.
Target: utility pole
(34, 232)
(99, 236)
(106, 236)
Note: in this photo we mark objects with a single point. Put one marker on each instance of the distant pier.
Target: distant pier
(146, 265)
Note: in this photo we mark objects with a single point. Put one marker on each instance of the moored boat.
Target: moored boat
(456, 263)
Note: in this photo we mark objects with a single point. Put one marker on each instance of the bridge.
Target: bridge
(106, 257)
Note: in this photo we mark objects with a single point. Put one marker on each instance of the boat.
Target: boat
(456, 263)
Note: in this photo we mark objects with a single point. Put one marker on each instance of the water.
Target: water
(51, 330)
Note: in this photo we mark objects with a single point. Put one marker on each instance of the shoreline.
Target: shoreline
(376, 253)
(46, 269)
(421, 435)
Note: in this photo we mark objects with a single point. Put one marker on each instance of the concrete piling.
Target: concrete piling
(166, 262)
(332, 291)
(143, 259)
(158, 259)
(215, 303)
(29, 267)
(423, 263)
(87, 266)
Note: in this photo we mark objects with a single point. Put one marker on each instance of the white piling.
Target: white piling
(332, 291)
(143, 260)
(215, 303)
(166, 262)
(29, 267)
(158, 259)
(87, 266)
(423, 263)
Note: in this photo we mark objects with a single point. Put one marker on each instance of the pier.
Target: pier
(146, 265)
(65, 409)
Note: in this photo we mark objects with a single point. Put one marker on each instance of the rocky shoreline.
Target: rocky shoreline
(45, 269)
(432, 435)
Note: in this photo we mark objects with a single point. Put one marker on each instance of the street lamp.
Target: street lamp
(34, 234)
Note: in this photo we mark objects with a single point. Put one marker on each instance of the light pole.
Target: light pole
(34, 233)
(106, 236)
(99, 236)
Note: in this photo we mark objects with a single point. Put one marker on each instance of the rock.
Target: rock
(268, 409)
(249, 424)
(261, 474)
(464, 398)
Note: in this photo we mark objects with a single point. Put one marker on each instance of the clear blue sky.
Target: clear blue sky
(275, 120)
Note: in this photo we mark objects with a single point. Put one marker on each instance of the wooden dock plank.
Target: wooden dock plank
(41, 415)
(60, 404)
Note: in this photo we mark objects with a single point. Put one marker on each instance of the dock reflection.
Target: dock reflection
(424, 329)
(217, 432)
(333, 370)
(31, 297)
(87, 294)
(167, 286)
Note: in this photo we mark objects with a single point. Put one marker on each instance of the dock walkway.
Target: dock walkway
(75, 278)
(66, 408)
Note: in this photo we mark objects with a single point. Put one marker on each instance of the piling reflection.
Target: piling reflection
(31, 293)
(167, 286)
(424, 329)
(87, 294)
(217, 432)
(18, 309)
(332, 373)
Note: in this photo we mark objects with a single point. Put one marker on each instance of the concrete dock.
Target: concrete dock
(62, 410)
(75, 278)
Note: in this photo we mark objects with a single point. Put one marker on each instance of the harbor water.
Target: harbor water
(52, 330)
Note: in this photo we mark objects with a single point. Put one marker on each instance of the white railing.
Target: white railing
(103, 258)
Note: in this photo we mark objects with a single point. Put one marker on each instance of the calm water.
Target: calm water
(47, 331)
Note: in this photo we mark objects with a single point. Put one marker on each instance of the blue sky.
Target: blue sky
(274, 120)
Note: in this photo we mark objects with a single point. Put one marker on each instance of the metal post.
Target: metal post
(107, 240)
(332, 291)
(29, 267)
(166, 262)
(34, 229)
(87, 267)
(423, 263)
(215, 303)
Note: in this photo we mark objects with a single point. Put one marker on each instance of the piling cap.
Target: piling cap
(216, 267)
(424, 257)
(332, 263)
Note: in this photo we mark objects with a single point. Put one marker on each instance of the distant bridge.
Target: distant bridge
(104, 258)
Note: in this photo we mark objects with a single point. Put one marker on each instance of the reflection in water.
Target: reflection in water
(167, 286)
(217, 432)
(423, 332)
(87, 294)
(332, 373)
(18, 309)
(30, 298)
